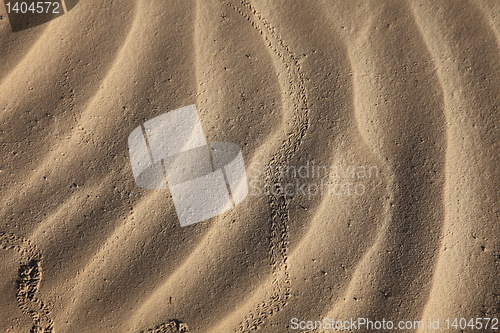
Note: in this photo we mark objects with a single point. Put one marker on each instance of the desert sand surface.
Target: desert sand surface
(398, 98)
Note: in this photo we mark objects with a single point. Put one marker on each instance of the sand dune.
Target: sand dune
(398, 98)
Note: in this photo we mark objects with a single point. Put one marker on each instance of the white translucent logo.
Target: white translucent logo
(205, 179)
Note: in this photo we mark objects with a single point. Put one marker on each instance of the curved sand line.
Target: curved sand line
(281, 278)
(295, 90)
(383, 264)
(466, 246)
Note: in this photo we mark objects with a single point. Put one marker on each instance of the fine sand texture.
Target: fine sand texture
(398, 99)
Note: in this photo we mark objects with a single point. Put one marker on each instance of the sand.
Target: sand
(399, 99)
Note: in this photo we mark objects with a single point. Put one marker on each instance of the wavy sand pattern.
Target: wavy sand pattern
(407, 88)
